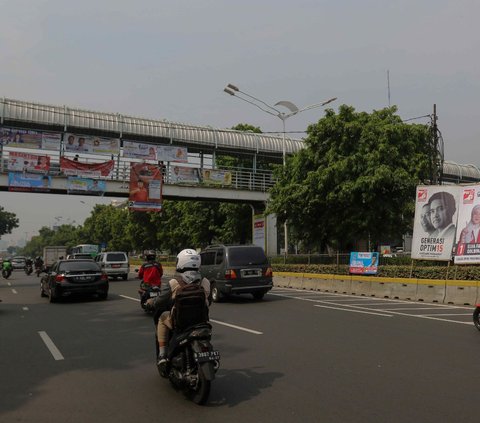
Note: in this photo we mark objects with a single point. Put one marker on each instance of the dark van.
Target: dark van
(236, 269)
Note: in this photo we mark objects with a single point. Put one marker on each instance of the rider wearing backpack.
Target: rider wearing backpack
(190, 294)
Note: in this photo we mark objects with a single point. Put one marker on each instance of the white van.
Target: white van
(114, 263)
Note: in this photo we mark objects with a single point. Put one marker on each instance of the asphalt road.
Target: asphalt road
(296, 356)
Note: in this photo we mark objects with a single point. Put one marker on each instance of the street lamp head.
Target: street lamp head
(329, 101)
(228, 91)
(232, 87)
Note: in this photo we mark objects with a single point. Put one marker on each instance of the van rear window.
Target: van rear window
(116, 257)
(247, 256)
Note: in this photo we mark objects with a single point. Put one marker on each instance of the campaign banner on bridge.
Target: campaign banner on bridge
(25, 162)
(216, 177)
(23, 138)
(468, 232)
(145, 187)
(76, 168)
(185, 175)
(171, 153)
(34, 182)
(362, 263)
(137, 150)
(94, 145)
(259, 230)
(77, 185)
(434, 227)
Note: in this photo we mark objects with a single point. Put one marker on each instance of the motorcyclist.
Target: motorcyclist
(38, 262)
(150, 272)
(7, 265)
(187, 272)
(28, 262)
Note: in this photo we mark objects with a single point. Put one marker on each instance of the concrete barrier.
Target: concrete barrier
(311, 282)
(381, 288)
(341, 284)
(360, 285)
(431, 290)
(461, 292)
(404, 289)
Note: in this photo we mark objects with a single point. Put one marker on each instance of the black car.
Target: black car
(236, 269)
(69, 277)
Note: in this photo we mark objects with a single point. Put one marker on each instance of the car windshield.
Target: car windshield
(116, 257)
(78, 266)
(247, 256)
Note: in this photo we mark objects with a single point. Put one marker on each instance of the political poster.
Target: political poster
(216, 177)
(94, 170)
(145, 187)
(25, 162)
(363, 263)
(137, 150)
(94, 145)
(434, 228)
(171, 153)
(77, 185)
(186, 175)
(468, 226)
(259, 230)
(34, 182)
(26, 138)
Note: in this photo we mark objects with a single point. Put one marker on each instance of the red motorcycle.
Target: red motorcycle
(476, 316)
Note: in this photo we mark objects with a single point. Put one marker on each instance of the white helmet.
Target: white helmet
(188, 260)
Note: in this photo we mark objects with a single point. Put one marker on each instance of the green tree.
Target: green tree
(8, 221)
(354, 180)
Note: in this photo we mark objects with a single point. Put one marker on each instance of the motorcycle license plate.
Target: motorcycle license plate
(202, 357)
(154, 294)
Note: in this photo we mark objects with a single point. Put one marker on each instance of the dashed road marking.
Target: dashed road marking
(57, 355)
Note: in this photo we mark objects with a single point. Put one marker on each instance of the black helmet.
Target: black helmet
(150, 255)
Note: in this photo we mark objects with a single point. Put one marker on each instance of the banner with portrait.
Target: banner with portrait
(94, 145)
(145, 187)
(434, 228)
(25, 138)
(259, 235)
(185, 175)
(362, 263)
(170, 153)
(468, 226)
(77, 185)
(95, 170)
(33, 182)
(216, 177)
(25, 162)
(137, 150)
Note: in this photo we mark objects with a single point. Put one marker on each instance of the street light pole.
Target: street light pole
(234, 91)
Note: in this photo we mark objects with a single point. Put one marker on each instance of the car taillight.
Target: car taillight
(268, 272)
(230, 274)
(59, 278)
(104, 277)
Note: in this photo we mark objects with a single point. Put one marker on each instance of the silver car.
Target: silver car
(114, 263)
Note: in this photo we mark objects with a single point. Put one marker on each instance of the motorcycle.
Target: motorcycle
(191, 361)
(6, 273)
(476, 316)
(28, 269)
(38, 270)
(147, 293)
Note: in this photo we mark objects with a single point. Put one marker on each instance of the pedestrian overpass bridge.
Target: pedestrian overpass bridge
(204, 145)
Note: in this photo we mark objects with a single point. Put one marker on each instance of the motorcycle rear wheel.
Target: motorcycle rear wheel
(476, 317)
(200, 394)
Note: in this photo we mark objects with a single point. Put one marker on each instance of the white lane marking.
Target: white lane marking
(130, 298)
(353, 311)
(57, 355)
(255, 332)
(25, 308)
(215, 321)
(9, 283)
(14, 291)
(447, 314)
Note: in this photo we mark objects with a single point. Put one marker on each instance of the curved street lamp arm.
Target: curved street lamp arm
(256, 105)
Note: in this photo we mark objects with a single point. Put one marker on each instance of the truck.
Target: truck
(53, 253)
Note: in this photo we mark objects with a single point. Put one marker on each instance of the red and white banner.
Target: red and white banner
(145, 187)
(25, 162)
(75, 168)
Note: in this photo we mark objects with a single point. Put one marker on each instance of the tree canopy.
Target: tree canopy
(354, 180)
(8, 221)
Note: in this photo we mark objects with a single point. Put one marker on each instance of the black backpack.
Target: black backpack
(189, 306)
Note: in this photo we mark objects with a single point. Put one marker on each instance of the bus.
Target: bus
(91, 249)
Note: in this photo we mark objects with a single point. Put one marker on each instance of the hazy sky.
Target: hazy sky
(171, 60)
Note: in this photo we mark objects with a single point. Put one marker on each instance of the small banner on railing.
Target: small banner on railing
(138, 150)
(33, 182)
(216, 177)
(363, 263)
(187, 175)
(77, 185)
(25, 162)
(76, 168)
(170, 153)
(25, 138)
(95, 145)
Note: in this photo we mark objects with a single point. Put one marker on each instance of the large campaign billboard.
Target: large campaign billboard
(434, 230)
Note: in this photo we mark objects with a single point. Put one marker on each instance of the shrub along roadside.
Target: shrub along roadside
(393, 271)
